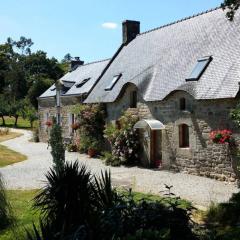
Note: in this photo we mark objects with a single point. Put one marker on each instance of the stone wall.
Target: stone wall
(203, 157)
(47, 106)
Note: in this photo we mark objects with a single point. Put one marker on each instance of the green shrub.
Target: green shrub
(91, 119)
(124, 140)
(75, 204)
(57, 146)
(110, 159)
(36, 133)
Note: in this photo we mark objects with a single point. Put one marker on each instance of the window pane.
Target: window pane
(113, 82)
(82, 82)
(199, 69)
(182, 104)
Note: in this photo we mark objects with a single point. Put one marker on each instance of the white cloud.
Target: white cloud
(110, 25)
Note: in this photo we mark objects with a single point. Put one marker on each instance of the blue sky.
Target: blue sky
(90, 29)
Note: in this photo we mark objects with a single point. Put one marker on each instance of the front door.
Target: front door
(156, 148)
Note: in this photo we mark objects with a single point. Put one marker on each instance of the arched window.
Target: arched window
(182, 104)
(183, 136)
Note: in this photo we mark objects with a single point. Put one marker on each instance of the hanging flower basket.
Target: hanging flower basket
(221, 136)
(75, 126)
(48, 123)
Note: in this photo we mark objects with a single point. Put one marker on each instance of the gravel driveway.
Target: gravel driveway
(29, 174)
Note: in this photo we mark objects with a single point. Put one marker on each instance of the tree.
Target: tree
(57, 146)
(39, 85)
(16, 109)
(4, 108)
(67, 58)
(29, 112)
(232, 6)
(39, 64)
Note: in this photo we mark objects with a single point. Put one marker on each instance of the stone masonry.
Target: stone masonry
(203, 157)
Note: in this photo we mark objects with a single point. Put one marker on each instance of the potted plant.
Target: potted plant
(93, 148)
(75, 126)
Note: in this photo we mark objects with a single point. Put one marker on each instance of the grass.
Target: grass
(8, 156)
(9, 136)
(22, 123)
(21, 203)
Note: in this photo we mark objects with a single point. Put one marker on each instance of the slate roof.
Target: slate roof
(159, 61)
(72, 79)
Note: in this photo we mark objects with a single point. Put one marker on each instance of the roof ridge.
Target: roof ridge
(180, 20)
(98, 61)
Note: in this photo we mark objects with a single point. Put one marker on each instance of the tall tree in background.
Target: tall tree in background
(232, 6)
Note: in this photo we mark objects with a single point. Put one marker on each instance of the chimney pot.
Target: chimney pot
(130, 29)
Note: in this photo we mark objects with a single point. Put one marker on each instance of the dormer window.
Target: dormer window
(113, 82)
(199, 69)
(82, 82)
(182, 104)
(133, 99)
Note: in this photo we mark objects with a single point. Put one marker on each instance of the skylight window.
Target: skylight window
(82, 82)
(113, 82)
(199, 69)
(53, 89)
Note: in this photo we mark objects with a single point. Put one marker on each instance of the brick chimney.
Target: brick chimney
(130, 29)
(75, 63)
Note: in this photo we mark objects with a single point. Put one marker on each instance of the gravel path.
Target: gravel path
(30, 174)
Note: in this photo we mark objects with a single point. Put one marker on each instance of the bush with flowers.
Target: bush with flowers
(124, 141)
(91, 121)
(221, 136)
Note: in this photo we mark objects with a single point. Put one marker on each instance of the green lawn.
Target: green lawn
(9, 136)
(21, 202)
(8, 156)
(22, 123)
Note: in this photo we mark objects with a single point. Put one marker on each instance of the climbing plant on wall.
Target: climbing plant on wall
(123, 139)
(91, 120)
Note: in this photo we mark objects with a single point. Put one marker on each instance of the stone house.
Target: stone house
(73, 88)
(182, 79)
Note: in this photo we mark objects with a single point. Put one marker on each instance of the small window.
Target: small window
(182, 103)
(183, 136)
(199, 68)
(53, 89)
(113, 82)
(82, 82)
(133, 99)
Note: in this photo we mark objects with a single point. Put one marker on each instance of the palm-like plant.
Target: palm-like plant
(5, 213)
(67, 199)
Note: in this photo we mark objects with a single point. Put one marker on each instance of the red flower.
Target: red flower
(48, 123)
(220, 136)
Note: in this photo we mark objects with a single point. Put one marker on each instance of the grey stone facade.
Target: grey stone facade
(47, 108)
(202, 157)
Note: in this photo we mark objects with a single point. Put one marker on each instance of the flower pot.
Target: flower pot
(91, 152)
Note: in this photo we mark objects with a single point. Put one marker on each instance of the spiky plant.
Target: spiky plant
(5, 213)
